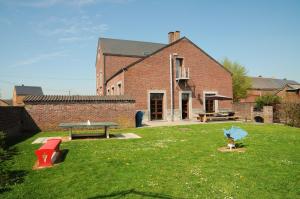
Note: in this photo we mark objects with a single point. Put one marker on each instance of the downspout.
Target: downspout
(171, 86)
(104, 76)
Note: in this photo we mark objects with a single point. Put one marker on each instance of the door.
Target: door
(156, 106)
(209, 106)
(185, 106)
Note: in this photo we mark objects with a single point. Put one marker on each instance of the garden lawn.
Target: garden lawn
(167, 162)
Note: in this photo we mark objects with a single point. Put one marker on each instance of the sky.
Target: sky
(52, 43)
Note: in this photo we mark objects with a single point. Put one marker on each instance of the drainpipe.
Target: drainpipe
(171, 86)
(104, 76)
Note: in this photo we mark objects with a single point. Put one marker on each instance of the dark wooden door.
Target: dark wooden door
(185, 106)
(156, 106)
(209, 106)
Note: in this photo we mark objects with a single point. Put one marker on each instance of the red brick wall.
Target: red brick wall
(15, 121)
(48, 116)
(153, 74)
(114, 82)
(113, 63)
(243, 110)
(11, 119)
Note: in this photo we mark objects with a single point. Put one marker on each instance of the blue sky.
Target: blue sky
(52, 43)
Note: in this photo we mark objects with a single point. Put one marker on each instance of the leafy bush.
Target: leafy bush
(291, 113)
(266, 100)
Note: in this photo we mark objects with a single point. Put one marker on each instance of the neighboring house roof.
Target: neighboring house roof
(7, 101)
(263, 83)
(158, 50)
(76, 98)
(28, 90)
(293, 87)
(127, 47)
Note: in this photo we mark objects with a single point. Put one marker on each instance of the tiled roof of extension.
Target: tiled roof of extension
(128, 47)
(269, 83)
(77, 98)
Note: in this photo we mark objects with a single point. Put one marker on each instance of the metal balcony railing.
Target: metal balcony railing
(182, 73)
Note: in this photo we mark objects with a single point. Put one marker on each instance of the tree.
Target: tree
(240, 82)
(266, 100)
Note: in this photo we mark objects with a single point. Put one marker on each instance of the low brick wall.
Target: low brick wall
(243, 110)
(47, 116)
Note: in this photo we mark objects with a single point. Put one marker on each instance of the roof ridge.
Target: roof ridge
(271, 78)
(132, 40)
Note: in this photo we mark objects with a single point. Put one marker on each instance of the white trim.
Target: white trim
(190, 103)
(216, 101)
(164, 103)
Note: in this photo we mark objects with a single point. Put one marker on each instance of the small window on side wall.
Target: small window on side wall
(112, 90)
(107, 91)
(119, 89)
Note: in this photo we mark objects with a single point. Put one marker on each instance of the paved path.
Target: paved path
(180, 122)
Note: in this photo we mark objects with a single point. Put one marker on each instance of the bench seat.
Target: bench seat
(48, 153)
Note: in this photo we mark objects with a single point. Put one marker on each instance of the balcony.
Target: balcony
(182, 73)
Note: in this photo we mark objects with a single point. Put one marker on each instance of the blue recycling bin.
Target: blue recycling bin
(139, 119)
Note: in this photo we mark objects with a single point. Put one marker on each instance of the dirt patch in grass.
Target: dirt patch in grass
(225, 149)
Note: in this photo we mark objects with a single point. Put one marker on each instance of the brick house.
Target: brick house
(290, 93)
(280, 87)
(173, 81)
(20, 92)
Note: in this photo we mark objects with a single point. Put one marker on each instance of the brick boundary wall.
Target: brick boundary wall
(11, 120)
(48, 115)
(243, 110)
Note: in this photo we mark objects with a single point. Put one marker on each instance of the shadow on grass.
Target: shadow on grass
(13, 140)
(62, 157)
(134, 192)
(240, 145)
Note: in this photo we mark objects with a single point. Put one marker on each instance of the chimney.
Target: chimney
(176, 35)
(171, 37)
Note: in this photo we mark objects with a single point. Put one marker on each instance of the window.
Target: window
(108, 91)
(112, 90)
(179, 65)
(119, 89)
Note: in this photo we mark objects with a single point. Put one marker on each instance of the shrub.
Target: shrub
(291, 113)
(266, 100)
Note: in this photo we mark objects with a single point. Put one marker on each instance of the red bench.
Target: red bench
(48, 153)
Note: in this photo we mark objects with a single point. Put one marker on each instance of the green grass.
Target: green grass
(168, 162)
